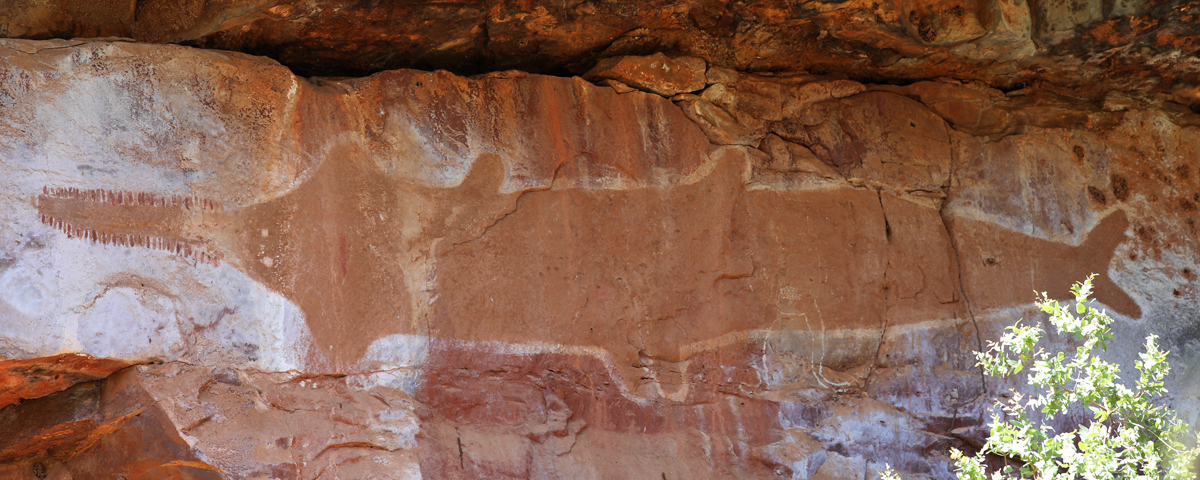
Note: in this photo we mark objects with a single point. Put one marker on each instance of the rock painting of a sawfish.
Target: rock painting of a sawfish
(643, 270)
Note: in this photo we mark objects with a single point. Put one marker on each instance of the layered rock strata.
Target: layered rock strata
(683, 272)
(1010, 44)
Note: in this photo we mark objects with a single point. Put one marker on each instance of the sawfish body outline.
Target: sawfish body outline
(337, 246)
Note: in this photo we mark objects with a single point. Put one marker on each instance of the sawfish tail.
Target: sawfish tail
(1097, 252)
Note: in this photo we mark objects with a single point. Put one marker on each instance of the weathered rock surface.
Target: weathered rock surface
(656, 73)
(24, 378)
(112, 427)
(417, 274)
(1002, 43)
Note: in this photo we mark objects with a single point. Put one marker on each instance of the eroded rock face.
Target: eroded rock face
(1003, 43)
(111, 427)
(24, 378)
(418, 274)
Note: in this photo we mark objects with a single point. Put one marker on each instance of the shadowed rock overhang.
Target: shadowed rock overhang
(1098, 45)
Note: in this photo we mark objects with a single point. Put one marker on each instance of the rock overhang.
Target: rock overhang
(768, 261)
(1094, 45)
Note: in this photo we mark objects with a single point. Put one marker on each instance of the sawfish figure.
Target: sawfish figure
(339, 246)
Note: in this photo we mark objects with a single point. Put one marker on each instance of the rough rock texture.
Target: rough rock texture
(1129, 44)
(213, 268)
(656, 73)
(23, 378)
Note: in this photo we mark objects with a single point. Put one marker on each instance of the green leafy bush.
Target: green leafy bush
(1129, 435)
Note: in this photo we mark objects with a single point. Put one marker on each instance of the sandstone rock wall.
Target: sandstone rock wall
(1093, 44)
(417, 274)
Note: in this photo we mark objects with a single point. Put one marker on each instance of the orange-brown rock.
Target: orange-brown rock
(422, 275)
(37, 377)
(1002, 43)
(93, 429)
(656, 73)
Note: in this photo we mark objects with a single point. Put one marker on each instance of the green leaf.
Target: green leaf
(1129, 437)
